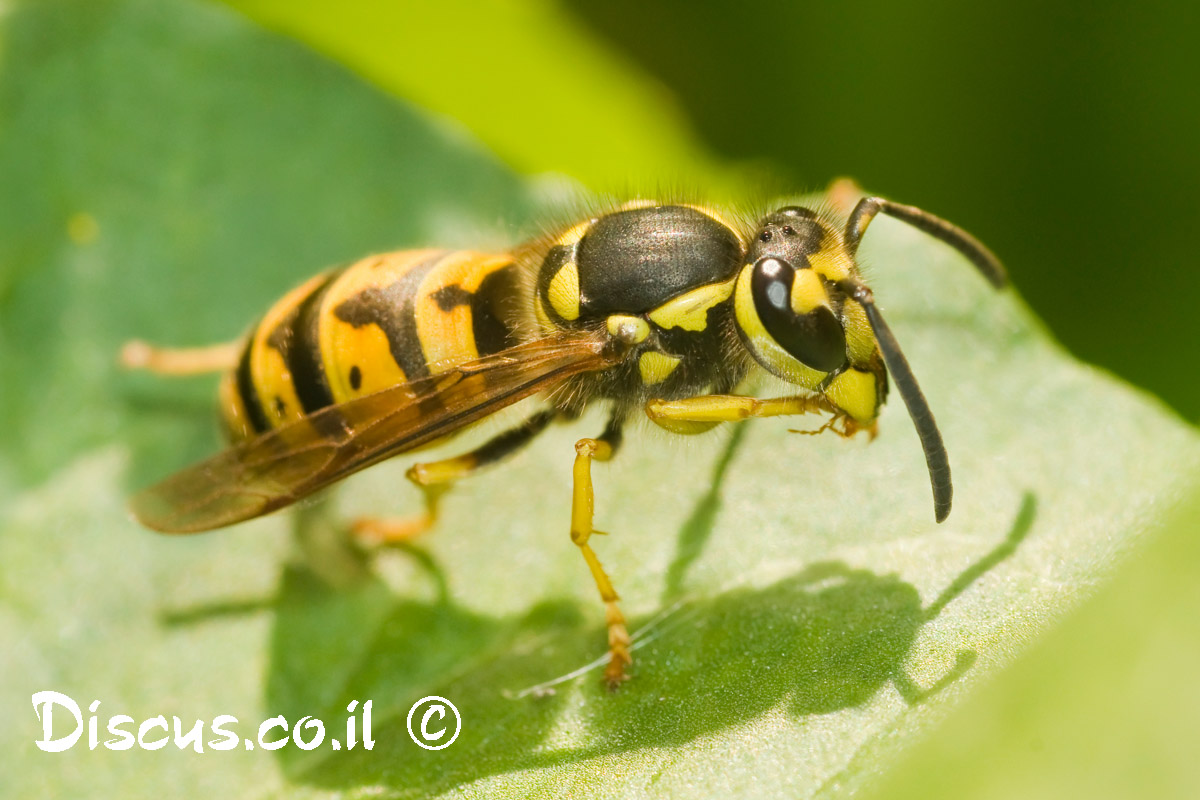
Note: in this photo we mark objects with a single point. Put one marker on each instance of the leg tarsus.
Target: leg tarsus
(618, 646)
(844, 426)
(582, 509)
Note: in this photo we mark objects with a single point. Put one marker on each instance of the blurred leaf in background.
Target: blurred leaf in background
(531, 81)
(170, 168)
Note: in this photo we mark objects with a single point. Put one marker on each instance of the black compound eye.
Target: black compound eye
(765, 236)
(816, 338)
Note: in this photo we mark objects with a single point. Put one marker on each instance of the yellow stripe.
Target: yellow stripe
(447, 338)
(656, 367)
(720, 217)
(808, 291)
(690, 311)
(563, 291)
(343, 346)
(545, 324)
(571, 236)
(832, 263)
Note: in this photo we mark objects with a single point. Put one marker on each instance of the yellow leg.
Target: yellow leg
(136, 354)
(715, 408)
(582, 507)
(434, 479)
(381, 531)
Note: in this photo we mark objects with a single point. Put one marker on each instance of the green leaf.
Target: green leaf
(534, 85)
(800, 619)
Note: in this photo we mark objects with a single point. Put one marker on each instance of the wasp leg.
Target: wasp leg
(695, 414)
(136, 354)
(434, 479)
(582, 508)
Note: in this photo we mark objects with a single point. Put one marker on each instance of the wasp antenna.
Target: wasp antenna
(975, 251)
(918, 408)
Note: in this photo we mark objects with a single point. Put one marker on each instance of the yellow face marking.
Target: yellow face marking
(656, 367)
(855, 393)
(563, 291)
(690, 311)
(808, 291)
(268, 369)
(446, 336)
(344, 346)
(632, 204)
(777, 360)
(633, 330)
(832, 263)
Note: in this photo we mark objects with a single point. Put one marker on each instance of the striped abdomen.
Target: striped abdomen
(379, 322)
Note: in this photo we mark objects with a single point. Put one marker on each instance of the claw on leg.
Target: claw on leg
(619, 656)
(843, 425)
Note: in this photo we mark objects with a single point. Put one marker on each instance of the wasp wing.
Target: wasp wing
(284, 465)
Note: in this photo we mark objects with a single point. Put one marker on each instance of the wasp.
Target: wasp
(655, 308)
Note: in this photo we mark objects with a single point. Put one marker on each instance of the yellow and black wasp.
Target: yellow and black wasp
(655, 308)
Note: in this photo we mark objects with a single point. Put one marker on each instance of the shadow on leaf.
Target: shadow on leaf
(826, 638)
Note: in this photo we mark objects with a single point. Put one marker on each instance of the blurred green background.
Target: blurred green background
(1065, 136)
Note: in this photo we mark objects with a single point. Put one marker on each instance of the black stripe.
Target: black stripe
(247, 392)
(393, 310)
(492, 312)
(303, 353)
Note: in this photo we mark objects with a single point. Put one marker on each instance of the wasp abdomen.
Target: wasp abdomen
(379, 322)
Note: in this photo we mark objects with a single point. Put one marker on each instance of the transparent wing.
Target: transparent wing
(282, 466)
